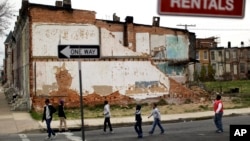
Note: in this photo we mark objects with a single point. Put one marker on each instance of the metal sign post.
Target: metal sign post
(81, 100)
(79, 52)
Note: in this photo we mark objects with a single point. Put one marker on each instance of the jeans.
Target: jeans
(107, 121)
(49, 130)
(138, 128)
(218, 121)
(157, 121)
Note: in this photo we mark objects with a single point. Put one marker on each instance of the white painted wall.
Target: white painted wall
(46, 37)
(120, 75)
(112, 45)
(142, 43)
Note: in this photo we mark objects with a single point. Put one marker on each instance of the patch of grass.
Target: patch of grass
(204, 107)
(36, 115)
(226, 86)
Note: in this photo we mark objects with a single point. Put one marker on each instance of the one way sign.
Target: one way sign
(78, 51)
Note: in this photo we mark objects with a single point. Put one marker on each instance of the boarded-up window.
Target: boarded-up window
(242, 67)
(227, 55)
(228, 68)
(197, 55)
(235, 70)
(220, 53)
(212, 55)
(234, 54)
(205, 55)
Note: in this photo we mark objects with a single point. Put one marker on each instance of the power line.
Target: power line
(221, 29)
(186, 25)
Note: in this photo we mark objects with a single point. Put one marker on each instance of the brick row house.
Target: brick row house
(229, 63)
(136, 61)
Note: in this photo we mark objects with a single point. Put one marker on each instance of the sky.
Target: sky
(235, 30)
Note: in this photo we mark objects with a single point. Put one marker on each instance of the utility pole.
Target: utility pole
(186, 25)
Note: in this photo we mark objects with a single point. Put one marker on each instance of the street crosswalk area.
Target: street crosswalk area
(66, 136)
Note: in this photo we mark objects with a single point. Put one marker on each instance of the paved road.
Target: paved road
(203, 130)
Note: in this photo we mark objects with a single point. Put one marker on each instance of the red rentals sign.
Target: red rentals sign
(208, 8)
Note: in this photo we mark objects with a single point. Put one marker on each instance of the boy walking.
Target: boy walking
(218, 109)
(107, 114)
(48, 112)
(62, 116)
(138, 120)
(157, 119)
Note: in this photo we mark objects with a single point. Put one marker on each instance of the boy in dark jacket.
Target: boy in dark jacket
(62, 116)
(138, 120)
(47, 116)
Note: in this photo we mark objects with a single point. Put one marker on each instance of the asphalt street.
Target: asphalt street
(202, 130)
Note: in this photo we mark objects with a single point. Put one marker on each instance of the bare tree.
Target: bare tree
(6, 14)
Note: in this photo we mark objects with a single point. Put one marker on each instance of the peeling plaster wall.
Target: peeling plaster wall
(177, 47)
(133, 78)
(176, 72)
(158, 46)
(103, 77)
(142, 43)
(46, 37)
(112, 45)
(171, 47)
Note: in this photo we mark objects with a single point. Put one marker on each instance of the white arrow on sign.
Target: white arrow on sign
(79, 51)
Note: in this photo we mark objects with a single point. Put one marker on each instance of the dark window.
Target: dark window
(212, 55)
(242, 67)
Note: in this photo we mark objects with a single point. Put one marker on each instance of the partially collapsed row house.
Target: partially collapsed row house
(229, 63)
(136, 61)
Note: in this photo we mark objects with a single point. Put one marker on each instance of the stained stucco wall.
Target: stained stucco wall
(102, 77)
(132, 78)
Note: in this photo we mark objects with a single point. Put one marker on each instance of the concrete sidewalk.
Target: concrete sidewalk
(20, 122)
(15, 122)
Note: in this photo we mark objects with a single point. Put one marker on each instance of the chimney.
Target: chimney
(116, 18)
(59, 3)
(129, 19)
(156, 21)
(67, 4)
(242, 44)
(25, 2)
(229, 44)
(128, 33)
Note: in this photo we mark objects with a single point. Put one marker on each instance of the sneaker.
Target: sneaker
(162, 132)
(140, 136)
(48, 138)
(53, 136)
(111, 132)
(219, 131)
(150, 132)
(104, 132)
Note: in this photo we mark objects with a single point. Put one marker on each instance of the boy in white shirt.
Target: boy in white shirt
(157, 119)
(107, 114)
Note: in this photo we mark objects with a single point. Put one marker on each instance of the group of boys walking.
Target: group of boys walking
(218, 110)
(138, 124)
(49, 110)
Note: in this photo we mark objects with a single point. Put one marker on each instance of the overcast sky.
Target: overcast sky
(227, 29)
